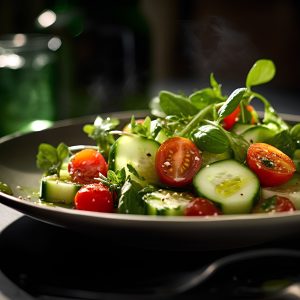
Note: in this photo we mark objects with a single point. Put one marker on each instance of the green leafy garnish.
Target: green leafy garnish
(116, 179)
(50, 159)
(232, 102)
(211, 138)
(261, 72)
(284, 142)
(178, 105)
(142, 129)
(100, 133)
(207, 96)
(130, 201)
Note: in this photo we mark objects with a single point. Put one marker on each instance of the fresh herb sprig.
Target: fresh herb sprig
(50, 159)
(100, 133)
(210, 105)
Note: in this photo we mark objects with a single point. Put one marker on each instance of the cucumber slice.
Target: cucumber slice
(57, 191)
(258, 134)
(138, 152)
(230, 184)
(290, 190)
(166, 202)
(240, 128)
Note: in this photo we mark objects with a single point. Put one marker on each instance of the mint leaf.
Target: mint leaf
(261, 72)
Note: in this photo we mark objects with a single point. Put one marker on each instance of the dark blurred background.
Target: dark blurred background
(116, 55)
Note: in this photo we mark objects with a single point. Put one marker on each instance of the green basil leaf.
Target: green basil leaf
(232, 102)
(46, 157)
(210, 138)
(49, 159)
(261, 72)
(62, 151)
(178, 105)
(202, 98)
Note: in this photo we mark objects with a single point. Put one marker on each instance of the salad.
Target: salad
(202, 154)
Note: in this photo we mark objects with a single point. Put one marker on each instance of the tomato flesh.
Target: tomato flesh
(230, 120)
(201, 207)
(86, 165)
(275, 204)
(272, 166)
(177, 161)
(94, 197)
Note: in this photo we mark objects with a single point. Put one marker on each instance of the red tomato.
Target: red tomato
(275, 204)
(284, 204)
(177, 161)
(201, 207)
(86, 165)
(229, 121)
(94, 197)
(271, 165)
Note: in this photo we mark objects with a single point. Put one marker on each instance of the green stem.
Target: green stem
(197, 118)
(261, 98)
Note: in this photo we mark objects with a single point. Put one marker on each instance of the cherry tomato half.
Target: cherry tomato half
(230, 120)
(275, 204)
(94, 197)
(86, 165)
(177, 161)
(201, 207)
(271, 165)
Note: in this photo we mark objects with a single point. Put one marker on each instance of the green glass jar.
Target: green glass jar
(28, 82)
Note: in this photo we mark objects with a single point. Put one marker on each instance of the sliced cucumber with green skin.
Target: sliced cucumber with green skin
(230, 184)
(166, 202)
(138, 152)
(57, 191)
(239, 128)
(290, 190)
(258, 134)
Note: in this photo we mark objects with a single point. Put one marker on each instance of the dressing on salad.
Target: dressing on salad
(195, 155)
